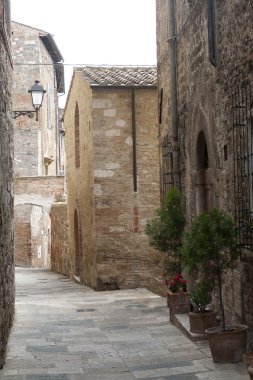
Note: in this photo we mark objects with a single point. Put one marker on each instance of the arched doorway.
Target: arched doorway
(203, 196)
(78, 255)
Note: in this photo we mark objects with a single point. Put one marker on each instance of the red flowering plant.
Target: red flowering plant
(177, 282)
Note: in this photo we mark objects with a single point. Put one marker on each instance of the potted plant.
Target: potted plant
(177, 295)
(202, 315)
(210, 250)
(165, 233)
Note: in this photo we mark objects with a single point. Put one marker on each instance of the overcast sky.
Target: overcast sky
(94, 31)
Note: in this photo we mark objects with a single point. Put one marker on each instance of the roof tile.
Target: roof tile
(120, 75)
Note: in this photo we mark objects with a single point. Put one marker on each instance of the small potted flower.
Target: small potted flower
(202, 316)
(177, 295)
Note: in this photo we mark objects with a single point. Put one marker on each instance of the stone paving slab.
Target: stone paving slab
(65, 331)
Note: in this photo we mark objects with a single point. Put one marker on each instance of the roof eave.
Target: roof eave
(51, 47)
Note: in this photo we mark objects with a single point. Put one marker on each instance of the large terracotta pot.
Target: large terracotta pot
(250, 372)
(248, 358)
(199, 322)
(227, 346)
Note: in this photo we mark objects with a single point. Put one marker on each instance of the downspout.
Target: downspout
(56, 125)
(134, 141)
(173, 91)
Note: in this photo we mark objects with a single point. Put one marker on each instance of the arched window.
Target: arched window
(78, 255)
(77, 137)
(203, 183)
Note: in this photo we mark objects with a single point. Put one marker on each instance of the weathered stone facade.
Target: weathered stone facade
(112, 180)
(38, 145)
(7, 289)
(35, 57)
(214, 43)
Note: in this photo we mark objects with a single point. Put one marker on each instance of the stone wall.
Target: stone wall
(33, 140)
(122, 213)
(205, 114)
(60, 258)
(80, 182)
(7, 289)
(110, 215)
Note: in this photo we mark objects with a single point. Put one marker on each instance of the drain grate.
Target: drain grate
(84, 310)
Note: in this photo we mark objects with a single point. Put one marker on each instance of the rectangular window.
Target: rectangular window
(243, 163)
(49, 97)
(167, 166)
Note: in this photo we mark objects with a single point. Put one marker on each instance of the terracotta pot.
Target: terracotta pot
(178, 303)
(199, 322)
(250, 371)
(248, 358)
(227, 346)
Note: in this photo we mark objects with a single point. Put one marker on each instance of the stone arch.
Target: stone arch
(77, 137)
(78, 246)
(202, 162)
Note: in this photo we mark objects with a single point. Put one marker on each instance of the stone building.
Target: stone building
(38, 166)
(112, 175)
(205, 62)
(7, 290)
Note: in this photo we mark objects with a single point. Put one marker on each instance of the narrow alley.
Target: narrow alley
(65, 331)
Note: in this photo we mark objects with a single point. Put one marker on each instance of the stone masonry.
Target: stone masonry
(7, 291)
(115, 189)
(34, 197)
(38, 144)
(213, 61)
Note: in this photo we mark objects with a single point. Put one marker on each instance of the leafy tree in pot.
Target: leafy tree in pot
(165, 230)
(201, 297)
(210, 249)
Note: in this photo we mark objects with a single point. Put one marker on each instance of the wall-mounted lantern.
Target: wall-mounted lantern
(37, 93)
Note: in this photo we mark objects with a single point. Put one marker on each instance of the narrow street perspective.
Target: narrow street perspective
(65, 331)
(126, 190)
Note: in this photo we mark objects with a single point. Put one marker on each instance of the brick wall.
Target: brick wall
(22, 229)
(111, 215)
(204, 106)
(60, 258)
(7, 290)
(32, 230)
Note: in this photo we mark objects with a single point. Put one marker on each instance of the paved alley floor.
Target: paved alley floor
(65, 331)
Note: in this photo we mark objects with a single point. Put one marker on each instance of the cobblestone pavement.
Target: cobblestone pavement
(65, 331)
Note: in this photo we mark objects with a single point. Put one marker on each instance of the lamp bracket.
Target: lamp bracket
(30, 114)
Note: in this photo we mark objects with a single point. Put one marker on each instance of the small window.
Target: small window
(225, 152)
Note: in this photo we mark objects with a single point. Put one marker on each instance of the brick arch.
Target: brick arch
(77, 137)
(78, 252)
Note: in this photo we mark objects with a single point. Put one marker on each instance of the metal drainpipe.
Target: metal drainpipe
(134, 141)
(173, 91)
